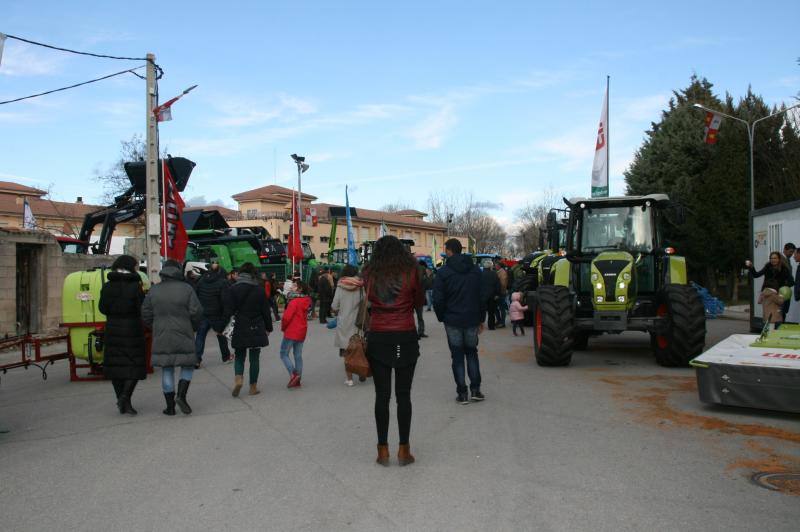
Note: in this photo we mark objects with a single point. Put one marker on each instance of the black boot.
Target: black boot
(170, 399)
(117, 383)
(183, 387)
(125, 406)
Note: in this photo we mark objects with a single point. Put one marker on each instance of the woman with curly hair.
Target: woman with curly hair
(395, 293)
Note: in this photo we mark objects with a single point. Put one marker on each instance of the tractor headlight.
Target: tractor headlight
(626, 276)
(621, 299)
(599, 299)
(621, 286)
(595, 277)
(599, 286)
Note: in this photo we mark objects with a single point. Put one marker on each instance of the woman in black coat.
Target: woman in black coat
(124, 356)
(247, 303)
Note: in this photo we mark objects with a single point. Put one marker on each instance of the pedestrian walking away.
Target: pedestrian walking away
(394, 293)
(460, 298)
(491, 291)
(325, 288)
(124, 355)
(173, 312)
(347, 301)
(427, 285)
(517, 313)
(421, 268)
(502, 301)
(210, 291)
(295, 328)
(789, 250)
(273, 296)
(246, 302)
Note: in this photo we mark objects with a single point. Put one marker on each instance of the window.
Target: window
(252, 213)
(775, 237)
(324, 239)
(612, 228)
(285, 237)
(307, 238)
(364, 234)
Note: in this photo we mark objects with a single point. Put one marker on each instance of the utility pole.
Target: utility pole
(152, 215)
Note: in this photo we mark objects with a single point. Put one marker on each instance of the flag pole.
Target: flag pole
(300, 221)
(608, 137)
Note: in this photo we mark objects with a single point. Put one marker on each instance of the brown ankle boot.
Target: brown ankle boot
(383, 455)
(404, 456)
(237, 386)
(254, 390)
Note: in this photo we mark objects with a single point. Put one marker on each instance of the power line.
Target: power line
(75, 51)
(131, 70)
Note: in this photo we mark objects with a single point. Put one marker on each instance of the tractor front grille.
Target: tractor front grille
(610, 270)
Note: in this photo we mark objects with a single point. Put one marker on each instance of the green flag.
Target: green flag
(434, 251)
(332, 239)
(470, 245)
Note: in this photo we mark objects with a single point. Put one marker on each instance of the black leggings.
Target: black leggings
(382, 377)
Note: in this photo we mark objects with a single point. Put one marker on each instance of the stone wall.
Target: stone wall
(49, 270)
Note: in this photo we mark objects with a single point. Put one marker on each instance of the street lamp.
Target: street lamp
(751, 130)
(301, 167)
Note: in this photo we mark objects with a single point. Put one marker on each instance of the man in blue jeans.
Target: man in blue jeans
(460, 304)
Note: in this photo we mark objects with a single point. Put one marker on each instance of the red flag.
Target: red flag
(173, 233)
(164, 111)
(295, 247)
(713, 121)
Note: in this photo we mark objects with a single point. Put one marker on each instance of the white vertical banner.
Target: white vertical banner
(28, 220)
(600, 166)
(2, 42)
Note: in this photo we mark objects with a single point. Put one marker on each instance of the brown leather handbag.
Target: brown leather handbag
(355, 356)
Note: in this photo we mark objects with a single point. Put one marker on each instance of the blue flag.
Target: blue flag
(352, 256)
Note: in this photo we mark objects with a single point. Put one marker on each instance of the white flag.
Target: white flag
(383, 230)
(28, 221)
(2, 42)
(600, 166)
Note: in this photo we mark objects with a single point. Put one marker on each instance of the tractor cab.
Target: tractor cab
(619, 275)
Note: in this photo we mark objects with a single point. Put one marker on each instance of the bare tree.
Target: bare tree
(395, 206)
(468, 217)
(531, 220)
(114, 179)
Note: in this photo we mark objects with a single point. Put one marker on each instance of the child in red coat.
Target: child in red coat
(295, 326)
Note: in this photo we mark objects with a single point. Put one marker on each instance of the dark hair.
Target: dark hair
(349, 271)
(390, 263)
(302, 287)
(125, 262)
(454, 245)
(247, 267)
(789, 245)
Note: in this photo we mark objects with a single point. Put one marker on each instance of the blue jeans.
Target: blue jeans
(200, 341)
(297, 349)
(429, 298)
(463, 343)
(168, 377)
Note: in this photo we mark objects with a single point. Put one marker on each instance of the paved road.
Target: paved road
(613, 442)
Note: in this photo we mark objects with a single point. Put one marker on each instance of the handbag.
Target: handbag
(355, 355)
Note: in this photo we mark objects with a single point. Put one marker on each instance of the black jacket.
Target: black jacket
(210, 291)
(458, 298)
(121, 301)
(774, 278)
(490, 284)
(247, 302)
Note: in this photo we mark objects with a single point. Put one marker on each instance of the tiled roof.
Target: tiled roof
(380, 216)
(47, 208)
(273, 193)
(411, 212)
(17, 189)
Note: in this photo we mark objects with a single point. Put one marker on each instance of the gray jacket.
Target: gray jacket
(173, 312)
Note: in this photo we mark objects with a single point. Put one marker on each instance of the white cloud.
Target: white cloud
(243, 111)
(20, 59)
(430, 133)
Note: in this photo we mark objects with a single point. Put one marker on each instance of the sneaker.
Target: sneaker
(477, 396)
(462, 399)
(348, 382)
(294, 381)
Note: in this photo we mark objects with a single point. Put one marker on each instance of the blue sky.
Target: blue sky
(500, 99)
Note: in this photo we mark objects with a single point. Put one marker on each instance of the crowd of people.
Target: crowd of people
(386, 301)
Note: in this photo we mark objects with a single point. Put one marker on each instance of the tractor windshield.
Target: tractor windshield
(624, 228)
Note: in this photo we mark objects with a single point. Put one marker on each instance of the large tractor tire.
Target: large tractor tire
(553, 326)
(684, 336)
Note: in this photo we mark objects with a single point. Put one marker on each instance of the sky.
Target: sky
(398, 101)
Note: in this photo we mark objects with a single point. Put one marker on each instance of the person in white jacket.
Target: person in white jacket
(793, 316)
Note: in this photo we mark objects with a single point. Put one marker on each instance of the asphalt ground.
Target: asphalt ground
(613, 442)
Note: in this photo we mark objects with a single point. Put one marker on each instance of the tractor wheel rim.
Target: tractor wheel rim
(662, 341)
(538, 326)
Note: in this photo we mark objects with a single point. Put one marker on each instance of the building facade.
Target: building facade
(270, 207)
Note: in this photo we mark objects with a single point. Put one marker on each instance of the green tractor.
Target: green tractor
(618, 275)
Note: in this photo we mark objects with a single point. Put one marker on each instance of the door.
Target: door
(25, 261)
